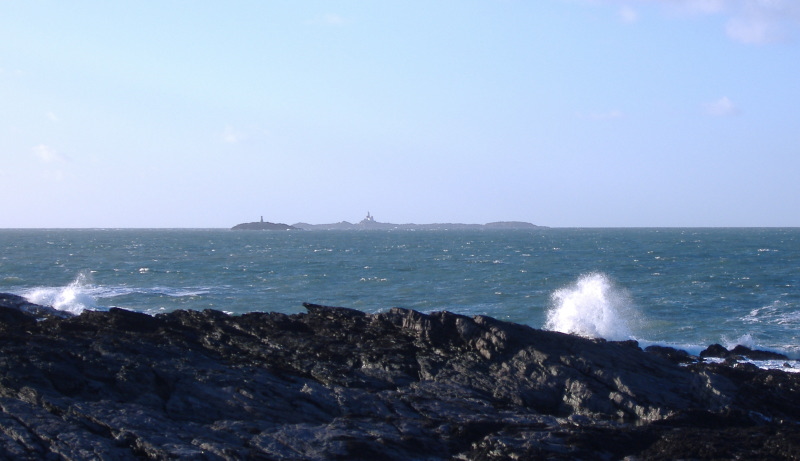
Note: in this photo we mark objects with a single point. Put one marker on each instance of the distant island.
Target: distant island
(369, 223)
(262, 225)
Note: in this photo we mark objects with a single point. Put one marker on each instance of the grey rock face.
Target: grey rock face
(337, 383)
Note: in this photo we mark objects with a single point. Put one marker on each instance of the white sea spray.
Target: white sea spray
(74, 298)
(594, 307)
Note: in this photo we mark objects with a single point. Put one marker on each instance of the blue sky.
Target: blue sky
(558, 112)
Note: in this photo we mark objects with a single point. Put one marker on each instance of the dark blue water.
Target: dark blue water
(688, 287)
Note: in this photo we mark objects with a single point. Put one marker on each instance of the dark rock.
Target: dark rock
(338, 383)
(11, 306)
(740, 352)
(715, 351)
(671, 354)
(751, 354)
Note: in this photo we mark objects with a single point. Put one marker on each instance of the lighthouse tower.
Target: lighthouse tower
(368, 220)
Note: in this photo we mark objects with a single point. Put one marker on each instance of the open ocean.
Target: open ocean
(687, 288)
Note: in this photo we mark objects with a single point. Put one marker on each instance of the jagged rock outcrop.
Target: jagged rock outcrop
(740, 352)
(18, 309)
(336, 383)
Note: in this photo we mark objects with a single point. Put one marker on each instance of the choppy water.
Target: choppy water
(683, 287)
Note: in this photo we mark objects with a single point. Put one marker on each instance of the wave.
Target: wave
(73, 298)
(593, 307)
(82, 294)
(779, 312)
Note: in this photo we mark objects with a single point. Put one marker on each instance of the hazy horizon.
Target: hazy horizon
(561, 113)
(356, 221)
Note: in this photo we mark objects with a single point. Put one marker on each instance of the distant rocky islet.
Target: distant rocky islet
(369, 223)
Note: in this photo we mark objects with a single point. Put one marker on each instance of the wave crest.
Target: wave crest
(74, 298)
(593, 306)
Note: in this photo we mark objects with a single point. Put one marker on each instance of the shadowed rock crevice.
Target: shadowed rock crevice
(337, 383)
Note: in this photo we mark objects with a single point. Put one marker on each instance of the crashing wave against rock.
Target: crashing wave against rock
(336, 383)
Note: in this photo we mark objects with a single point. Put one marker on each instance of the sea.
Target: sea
(685, 288)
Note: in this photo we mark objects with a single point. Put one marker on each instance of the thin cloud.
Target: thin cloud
(47, 154)
(329, 19)
(4, 71)
(757, 21)
(722, 107)
(54, 175)
(54, 161)
(752, 31)
(231, 135)
(52, 116)
(764, 21)
(746, 21)
(628, 15)
(700, 6)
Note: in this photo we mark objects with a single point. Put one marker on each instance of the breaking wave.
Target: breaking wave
(74, 298)
(83, 294)
(594, 307)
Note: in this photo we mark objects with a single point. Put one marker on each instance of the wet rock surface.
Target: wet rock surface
(740, 352)
(336, 383)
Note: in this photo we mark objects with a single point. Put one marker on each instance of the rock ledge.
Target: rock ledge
(336, 383)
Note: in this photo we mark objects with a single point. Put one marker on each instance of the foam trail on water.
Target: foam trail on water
(592, 307)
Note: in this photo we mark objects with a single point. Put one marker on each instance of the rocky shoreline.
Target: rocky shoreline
(336, 383)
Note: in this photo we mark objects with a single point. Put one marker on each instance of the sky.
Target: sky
(563, 113)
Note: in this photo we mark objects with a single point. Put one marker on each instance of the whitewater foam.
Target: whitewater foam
(779, 312)
(73, 298)
(592, 307)
(83, 294)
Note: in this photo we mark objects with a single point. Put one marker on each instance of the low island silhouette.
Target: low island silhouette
(369, 223)
(264, 225)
